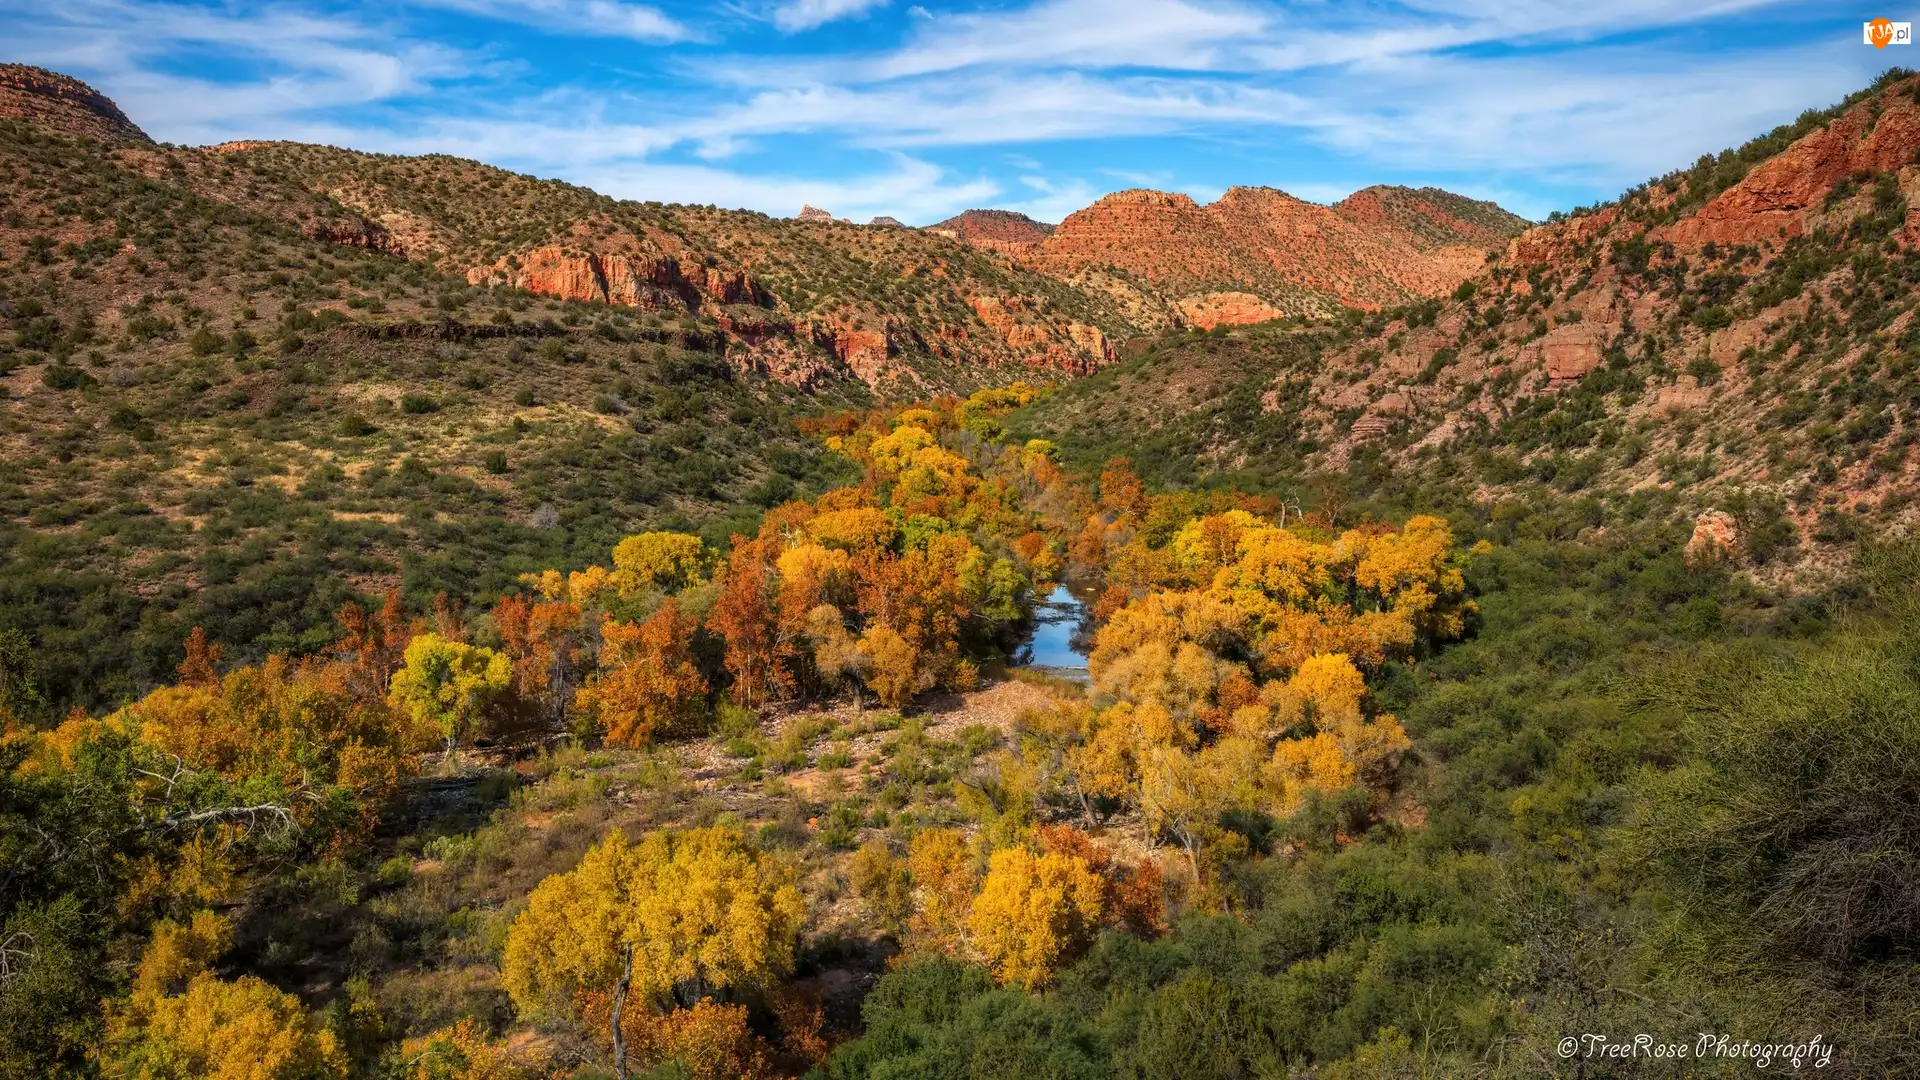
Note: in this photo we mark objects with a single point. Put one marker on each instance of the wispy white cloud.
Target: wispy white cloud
(583, 18)
(915, 191)
(1625, 112)
(281, 63)
(1107, 34)
(794, 16)
(1518, 96)
(988, 108)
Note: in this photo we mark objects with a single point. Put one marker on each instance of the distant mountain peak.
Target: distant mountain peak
(1000, 230)
(1257, 253)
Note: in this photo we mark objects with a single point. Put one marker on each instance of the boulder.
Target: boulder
(1716, 537)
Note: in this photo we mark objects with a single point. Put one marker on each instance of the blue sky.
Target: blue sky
(920, 110)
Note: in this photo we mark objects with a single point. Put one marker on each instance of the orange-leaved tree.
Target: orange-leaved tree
(743, 615)
(647, 683)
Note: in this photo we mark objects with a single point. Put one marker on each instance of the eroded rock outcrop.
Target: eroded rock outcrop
(1039, 342)
(57, 101)
(653, 283)
(1716, 537)
(1226, 308)
(1568, 353)
(360, 233)
(1559, 240)
(867, 353)
(1781, 196)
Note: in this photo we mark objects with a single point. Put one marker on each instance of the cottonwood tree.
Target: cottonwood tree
(672, 918)
(648, 683)
(1034, 912)
(449, 684)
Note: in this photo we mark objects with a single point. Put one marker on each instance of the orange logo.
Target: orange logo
(1880, 33)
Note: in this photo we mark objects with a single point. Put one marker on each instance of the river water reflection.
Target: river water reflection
(1054, 644)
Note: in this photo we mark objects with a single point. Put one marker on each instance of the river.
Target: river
(1054, 642)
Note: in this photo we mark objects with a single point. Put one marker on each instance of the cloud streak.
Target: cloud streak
(584, 18)
(796, 16)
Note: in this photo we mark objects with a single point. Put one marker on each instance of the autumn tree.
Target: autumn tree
(1121, 492)
(677, 915)
(882, 879)
(1134, 896)
(463, 1051)
(743, 616)
(647, 683)
(542, 641)
(185, 1023)
(449, 684)
(895, 668)
(837, 656)
(295, 730)
(666, 561)
(1034, 912)
(199, 667)
(709, 1040)
(944, 877)
(375, 644)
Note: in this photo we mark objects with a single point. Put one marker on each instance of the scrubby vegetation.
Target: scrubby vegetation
(409, 678)
(1415, 798)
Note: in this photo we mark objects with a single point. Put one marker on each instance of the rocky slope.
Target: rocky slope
(814, 298)
(228, 399)
(1257, 253)
(1737, 335)
(995, 230)
(52, 99)
(802, 300)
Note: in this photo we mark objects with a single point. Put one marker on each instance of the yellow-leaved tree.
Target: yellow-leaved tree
(1034, 912)
(667, 561)
(185, 1023)
(449, 684)
(675, 916)
(464, 1052)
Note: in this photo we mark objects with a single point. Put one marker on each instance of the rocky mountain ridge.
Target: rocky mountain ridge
(1739, 336)
(996, 230)
(1257, 253)
(815, 297)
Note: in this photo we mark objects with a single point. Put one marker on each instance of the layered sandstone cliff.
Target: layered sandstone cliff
(653, 283)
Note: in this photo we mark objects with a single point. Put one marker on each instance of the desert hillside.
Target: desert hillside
(457, 626)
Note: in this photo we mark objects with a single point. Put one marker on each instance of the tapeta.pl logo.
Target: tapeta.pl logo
(1881, 33)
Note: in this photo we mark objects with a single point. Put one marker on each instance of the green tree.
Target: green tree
(449, 683)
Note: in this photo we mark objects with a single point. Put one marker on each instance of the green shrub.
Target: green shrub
(205, 341)
(63, 376)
